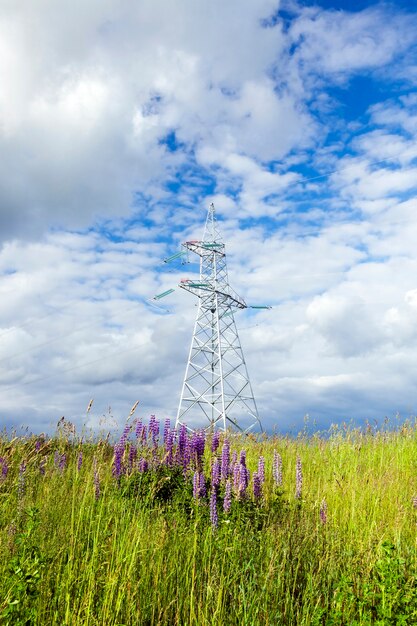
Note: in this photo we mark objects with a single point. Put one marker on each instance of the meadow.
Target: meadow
(206, 529)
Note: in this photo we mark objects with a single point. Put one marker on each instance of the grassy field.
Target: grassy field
(178, 530)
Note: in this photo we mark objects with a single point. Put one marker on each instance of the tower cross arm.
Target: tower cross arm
(204, 248)
(202, 288)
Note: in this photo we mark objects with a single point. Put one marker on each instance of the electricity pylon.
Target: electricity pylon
(216, 387)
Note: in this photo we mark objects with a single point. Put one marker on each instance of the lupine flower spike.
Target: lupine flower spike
(323, 512)
(213, 509)
(277, 469)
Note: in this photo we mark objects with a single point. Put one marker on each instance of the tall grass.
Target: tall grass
(89, 546)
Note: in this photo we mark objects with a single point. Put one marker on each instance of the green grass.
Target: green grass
(145, 554)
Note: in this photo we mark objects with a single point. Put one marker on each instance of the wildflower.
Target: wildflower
(96, 480)
(125, 436)
(143, 465)
(167, 428)
(38, 444)
(42, 465)
(257, 486)
(118, 460)
(227, 502)
(244, 477)
(199, 485)
(182, 453)
(198, 443)
(298, 478)
(79, 461)
(323, 511)
(63, 462)
(236, 477)
(138, 431)
(261, 469)
(225, 466)
(215, 441)
(153, 429)
(132, 457)
(215, 473)
(142, 434)
(4, 468)
(241, 477)
(196, 478)
(202, 486)
(277, 469)
(169, 447)
(213, 509)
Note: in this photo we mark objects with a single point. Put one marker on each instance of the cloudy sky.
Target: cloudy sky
(121, 121)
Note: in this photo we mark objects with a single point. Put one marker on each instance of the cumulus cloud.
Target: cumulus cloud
(118, 121)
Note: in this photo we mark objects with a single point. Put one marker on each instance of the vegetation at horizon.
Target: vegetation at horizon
(208, 529)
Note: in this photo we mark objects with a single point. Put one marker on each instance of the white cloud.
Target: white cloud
(89, 94)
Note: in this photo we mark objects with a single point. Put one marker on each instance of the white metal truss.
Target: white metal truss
(216, 390)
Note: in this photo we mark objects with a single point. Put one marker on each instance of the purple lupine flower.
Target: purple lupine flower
(182, 441)
(196, 485)
(199, 485)
(213, 509)
(227, 502)
(242, 457)
(244, 478)
(202, 490)
(167, 428)
(277, 469)
(125, 436)
(132, 457)
(153, 429)
(38, 445)
(225, 468)
(186, 460)
(198, 442)
(257, 486)
(323, 511)
(169, 447)
(143, 465)
(63, 462)
(4, 468)
(183, 452)
(96, 485)
(57, 458)
(298, 478)
(215, 440)
(138, 430)
(215, 474)
(143, 435)
(80, 460)
(42, 466)
(261, 469)
(236, 477)
(118, 460)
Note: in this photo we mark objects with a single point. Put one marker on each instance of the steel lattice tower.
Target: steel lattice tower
(216, 386)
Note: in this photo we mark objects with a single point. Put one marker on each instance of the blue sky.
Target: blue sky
(119, 124)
